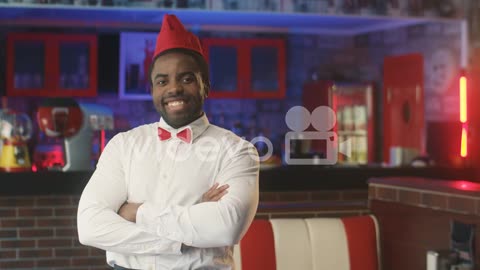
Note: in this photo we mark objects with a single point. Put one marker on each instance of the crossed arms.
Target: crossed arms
(129, 210)
(159, 229)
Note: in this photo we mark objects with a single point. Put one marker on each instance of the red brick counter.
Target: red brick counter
(415, 215)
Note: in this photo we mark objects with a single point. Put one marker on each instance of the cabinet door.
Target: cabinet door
(403, 103)
(28, 71)
(266, 63)
(226, 59)
(51, 65)
(77, 62)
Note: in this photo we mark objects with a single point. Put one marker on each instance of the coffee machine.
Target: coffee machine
(15, 130)
(78, 126)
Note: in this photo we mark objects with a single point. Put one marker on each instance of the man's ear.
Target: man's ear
(206, 89)
(205, 95)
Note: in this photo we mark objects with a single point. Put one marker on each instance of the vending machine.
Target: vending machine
(353, 104)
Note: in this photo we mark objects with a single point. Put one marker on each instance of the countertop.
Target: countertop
(284, 178)
(457, 186)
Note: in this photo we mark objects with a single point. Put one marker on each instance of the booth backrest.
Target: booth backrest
(348, 243)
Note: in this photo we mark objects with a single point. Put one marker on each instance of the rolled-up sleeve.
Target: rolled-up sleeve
(98, 223)
(212, 224)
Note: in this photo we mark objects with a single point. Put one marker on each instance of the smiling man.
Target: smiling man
(153, 202)
(178, 91)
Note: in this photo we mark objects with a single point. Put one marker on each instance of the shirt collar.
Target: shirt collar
(198, 126)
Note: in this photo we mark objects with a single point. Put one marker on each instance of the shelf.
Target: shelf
(352, 133)
(151, 18)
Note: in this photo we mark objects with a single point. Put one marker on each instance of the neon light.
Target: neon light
(463, 147)
(463, 99)
(466, 185)
(102, 140)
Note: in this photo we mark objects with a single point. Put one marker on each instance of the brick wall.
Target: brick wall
(39, 232)
(306, 204)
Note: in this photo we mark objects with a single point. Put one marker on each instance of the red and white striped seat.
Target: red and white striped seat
(349, 243)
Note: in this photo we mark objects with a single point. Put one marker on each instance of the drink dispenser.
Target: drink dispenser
(76, 124)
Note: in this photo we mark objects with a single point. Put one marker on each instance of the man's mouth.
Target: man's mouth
(175, 103)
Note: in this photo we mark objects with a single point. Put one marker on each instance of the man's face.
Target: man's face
(177, 90)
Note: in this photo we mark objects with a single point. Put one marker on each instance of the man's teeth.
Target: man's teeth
(175, 103)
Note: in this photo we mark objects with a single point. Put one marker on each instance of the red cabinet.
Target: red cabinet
(246, 68)
(51, 65)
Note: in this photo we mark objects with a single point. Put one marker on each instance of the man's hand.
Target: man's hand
(129, 211)
(215, 193)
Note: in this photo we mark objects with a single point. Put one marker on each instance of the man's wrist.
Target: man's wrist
(144, 219)
(139, 215)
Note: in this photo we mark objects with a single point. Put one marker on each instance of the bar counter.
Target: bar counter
(283, 178)
(415, 215)
(38, 210)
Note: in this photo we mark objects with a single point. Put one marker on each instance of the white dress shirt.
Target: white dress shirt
(173, 229)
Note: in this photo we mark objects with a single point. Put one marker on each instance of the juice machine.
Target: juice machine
(79, 126)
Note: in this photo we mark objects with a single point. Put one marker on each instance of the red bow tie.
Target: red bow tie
(184, 134)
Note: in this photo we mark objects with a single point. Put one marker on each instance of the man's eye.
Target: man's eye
(161, 82)
(188, 79)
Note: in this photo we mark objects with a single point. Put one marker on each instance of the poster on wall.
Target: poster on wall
(136, 53)
(441, 84)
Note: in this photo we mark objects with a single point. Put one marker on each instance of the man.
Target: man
(177, 194)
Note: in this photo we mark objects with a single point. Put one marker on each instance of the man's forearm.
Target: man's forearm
(204, 225)
(103, 228)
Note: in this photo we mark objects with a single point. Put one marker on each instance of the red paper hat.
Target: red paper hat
(174, 35)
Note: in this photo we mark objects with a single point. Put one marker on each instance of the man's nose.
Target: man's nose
(175, 88)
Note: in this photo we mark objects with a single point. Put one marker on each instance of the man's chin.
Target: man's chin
(179, 118)
(176, 120)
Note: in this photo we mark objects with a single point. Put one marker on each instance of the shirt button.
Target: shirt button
(164, 176)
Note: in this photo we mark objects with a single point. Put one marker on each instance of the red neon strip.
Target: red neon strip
(102, 140)
(463, 147)
(463, 99)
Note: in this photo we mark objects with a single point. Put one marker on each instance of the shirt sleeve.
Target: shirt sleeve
(212, 224)
(98, 223)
